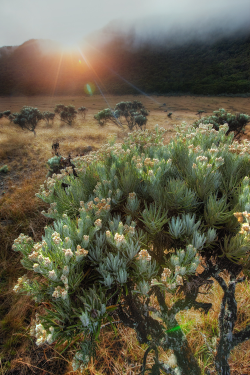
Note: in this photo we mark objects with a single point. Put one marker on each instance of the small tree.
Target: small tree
(199, 113)
(11, 117)
(82, 111)
(130, 228)
(133, 112)
(28, 118)
(48, 116)
(66, 113)
(5, 114)
(236, 123)
(107, 114)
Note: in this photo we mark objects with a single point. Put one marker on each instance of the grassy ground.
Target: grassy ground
(26, 158)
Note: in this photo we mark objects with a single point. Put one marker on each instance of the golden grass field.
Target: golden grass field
(26, 158)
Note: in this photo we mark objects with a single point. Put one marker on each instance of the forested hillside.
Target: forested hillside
(222, 67)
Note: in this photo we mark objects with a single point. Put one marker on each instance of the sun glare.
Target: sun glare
(69, 47)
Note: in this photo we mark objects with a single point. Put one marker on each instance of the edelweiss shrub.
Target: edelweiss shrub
(236, 123)
(134, 225)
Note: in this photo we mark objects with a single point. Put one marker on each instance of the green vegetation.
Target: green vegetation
(48, 116)
(215, 68)
(4, 169)
(129, 232)
(106, 114)
(5, 114)
(66, 113)
(82, 111)
(28, 118)
(236, 123)
(133, 112)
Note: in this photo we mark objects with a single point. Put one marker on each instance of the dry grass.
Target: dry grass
(26, 158)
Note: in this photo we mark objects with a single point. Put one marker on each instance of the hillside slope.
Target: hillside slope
(222, 67)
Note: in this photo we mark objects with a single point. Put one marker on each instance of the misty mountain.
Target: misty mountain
(121, 65)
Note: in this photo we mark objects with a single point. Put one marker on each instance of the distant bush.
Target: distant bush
(5, 114)
(82, 111)
(48, 116)
(66, 113)
(28, 118)
(11, 117)
(134, 114)
(106, 114)
(236, 123)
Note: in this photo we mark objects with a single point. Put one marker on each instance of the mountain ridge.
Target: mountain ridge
(197, 68)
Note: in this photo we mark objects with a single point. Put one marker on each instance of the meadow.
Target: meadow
(20, 212)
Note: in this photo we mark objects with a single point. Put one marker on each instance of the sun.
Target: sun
(68, 46)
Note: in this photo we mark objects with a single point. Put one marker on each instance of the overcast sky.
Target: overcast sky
(70, 21)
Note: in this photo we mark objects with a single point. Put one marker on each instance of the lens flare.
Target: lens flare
(89, 88)
(178, 327)
(80, 62)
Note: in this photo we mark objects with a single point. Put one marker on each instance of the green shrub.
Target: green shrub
(48, 116)
(66, 113)
(106, 114)
(236, 123)
(82, 111)
(4, 169)
(133, 112)
(28, 118)
(133, 225)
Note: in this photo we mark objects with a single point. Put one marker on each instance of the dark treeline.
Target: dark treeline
(222, 67)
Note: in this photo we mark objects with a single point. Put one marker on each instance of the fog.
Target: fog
(204, 25)
(69, 22)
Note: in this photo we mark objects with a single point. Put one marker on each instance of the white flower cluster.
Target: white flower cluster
(21, 240)
(21, 282)
(245, 227)
(60, 292)
(98, 223)
(240, 148)
(171, 283)
(119, 239)
(143, 254)
(42, 336)
(100, 205)
(80, 253)
(56, 238)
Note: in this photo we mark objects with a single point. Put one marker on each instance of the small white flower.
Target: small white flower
(98, 223)
(36, 267)
(52, 275)
(68, 253)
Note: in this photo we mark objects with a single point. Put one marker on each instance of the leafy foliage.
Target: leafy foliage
(106, 114)
(48, 116)
(131, 226)
(66, 113)
(236, 123)
(133, 112)
(5, 114)
(28, 118)
(218, 67)
(82, 110)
